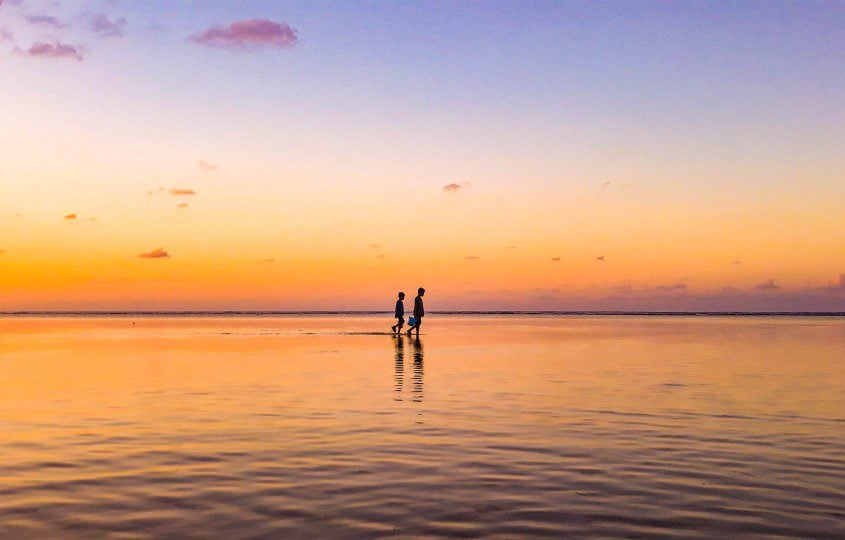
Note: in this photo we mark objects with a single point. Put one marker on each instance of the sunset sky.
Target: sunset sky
(517, 155)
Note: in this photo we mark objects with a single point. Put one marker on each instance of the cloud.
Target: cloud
(6, 35)
(600, 258)
(70, 216)
(669, 288)
(555, 259)
(180, 191)
(456, 187)
(250, 32)
(205, 166)
(735, 262)
(105, 27)
(155, 254)
(838, 284)
(48, 50)
(46, 20)
(472, 257)
(182, 205)
(268, 260)
(767, 285)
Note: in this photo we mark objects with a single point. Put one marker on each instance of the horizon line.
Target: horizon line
(205, 313)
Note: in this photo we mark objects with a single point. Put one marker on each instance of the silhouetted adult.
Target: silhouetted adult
(419, 311)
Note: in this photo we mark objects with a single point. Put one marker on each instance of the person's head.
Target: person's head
(421, 291)
(401, 296)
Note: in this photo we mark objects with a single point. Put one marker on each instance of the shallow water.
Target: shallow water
(488, 426)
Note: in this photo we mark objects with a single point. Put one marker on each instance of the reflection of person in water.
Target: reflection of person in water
(399, 366)
(418, 369)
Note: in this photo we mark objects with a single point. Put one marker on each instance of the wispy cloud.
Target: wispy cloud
(670, 288)
(48, 50)
(181, 191)
(45, 20)
(70, 216)
(6, 35)
(456, 187)
(767, 285)
(103, 26)
(250, 32)
(155, 254)
(182, 205)
(555, 259)
(472, 257)
(600, 258)
(205, 166)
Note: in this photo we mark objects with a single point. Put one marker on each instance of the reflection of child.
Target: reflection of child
(399, 314)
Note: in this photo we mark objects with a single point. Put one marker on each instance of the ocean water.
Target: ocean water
(493, 426)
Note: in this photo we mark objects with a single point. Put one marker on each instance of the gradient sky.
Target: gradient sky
(567, 155)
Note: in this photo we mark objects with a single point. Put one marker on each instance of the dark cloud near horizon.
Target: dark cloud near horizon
(49, 50)
(767, 285)
(669, 288)
(248, 33)
(103, 26)
(155, 254)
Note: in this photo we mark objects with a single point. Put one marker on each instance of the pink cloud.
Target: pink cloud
(177, 191)
(456, 187)
(6, 35)
(205, 166)
(46, 20)
(47, 50)
(105, 27)
(246, 33)
(768, 285)
(155, 254)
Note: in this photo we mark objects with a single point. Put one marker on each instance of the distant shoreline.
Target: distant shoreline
(250, 313)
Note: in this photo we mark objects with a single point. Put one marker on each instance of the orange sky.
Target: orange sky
(273, 177)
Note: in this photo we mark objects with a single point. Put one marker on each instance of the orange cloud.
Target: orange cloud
(155, 254)
(70, 216)
(555, 259)
(456, 187)
(182, 205)
(178, 191)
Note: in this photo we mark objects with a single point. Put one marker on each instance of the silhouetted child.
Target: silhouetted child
(399, 314)
(419, 311)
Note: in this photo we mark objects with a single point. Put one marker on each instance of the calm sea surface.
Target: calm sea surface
(503, 426)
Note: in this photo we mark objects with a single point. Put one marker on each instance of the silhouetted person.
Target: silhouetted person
(399, 313)
(419, 311)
